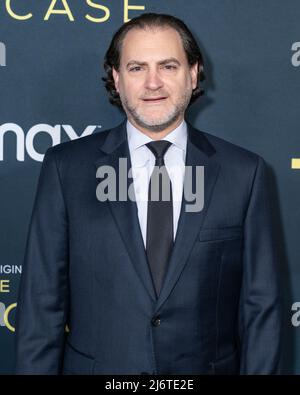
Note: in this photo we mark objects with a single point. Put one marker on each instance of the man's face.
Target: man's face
(154, 81)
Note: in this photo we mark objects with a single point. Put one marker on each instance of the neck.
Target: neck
(157, 135)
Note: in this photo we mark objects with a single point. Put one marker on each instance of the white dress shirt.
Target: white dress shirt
(143, 161)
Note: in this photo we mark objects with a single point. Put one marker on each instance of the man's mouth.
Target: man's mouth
(154, 99)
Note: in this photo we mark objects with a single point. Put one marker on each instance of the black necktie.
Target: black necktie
(159, 239)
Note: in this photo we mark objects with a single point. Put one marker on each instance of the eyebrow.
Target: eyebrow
(162, 62)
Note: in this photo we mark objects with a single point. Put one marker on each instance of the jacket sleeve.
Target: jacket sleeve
(260, 305)
(42, 306)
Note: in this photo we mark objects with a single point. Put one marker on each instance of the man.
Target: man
(149, 286)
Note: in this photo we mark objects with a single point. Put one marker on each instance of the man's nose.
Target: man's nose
(153, 80)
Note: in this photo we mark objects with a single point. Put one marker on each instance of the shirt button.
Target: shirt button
(155, 321)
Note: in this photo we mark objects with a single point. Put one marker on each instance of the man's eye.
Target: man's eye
(136, 68)
(170, 67)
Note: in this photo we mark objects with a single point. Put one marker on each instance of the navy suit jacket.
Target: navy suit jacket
(85, 267)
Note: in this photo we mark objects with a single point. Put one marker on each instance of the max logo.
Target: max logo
(2, 54)
(25, 141)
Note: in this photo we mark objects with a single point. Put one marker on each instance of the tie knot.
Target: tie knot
(159, 148)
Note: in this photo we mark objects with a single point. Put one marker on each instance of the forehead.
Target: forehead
(152, 43)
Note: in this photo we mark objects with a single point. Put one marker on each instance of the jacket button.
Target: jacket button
(155, 321)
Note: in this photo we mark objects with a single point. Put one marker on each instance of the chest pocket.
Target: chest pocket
(219, 234)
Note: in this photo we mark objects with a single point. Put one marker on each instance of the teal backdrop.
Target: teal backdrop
(51, 56)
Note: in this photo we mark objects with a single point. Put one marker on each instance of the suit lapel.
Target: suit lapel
(125, 212)
(199, 153)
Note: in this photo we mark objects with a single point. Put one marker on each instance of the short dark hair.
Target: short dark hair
(151, 20)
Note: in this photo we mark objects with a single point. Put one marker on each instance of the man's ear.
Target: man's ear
(116, 78)
(194, 74)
